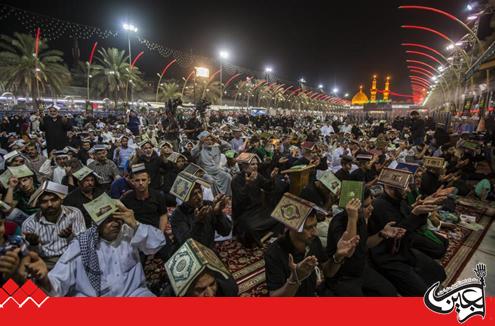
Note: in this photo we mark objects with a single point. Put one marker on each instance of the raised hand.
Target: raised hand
(352, 208)
(203, 212)
(13, 182)
(219, 203)
(252, 177)
(390, 231)
(126, 215)
(303, 269)
(346, 246)
(423, 209)
(274, 172)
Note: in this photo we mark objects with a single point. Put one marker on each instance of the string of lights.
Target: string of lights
(55, 28)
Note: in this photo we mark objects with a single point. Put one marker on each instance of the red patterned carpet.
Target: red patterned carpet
(247, 265)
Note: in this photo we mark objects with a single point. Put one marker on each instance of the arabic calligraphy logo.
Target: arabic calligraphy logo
(466, 296)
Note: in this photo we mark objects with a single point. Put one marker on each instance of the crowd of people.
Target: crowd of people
(180, 181)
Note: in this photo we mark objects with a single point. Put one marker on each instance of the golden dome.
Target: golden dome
(360, 98)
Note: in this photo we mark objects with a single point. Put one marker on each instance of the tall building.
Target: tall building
(373, 90)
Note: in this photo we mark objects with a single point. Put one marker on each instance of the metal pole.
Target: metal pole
(87, 80)
(221, 84)
(130, 61)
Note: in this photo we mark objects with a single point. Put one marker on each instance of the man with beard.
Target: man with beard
(177, 163)
(408, 269)
(87, 189)
(103, 261)
(153, 163)
(55, 225)
(364, 172)
(199, 219)
(122, 154)
(83, 154)
(106, 169)
(345, 171)
(55, 128)
(17, 197)
(250, 213)
(34, 159)
(357, 277)
(207, 154)
(417, 128)
(193, 126)
(296, 263)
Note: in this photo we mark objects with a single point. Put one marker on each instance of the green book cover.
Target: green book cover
(20, 171)
(350, 190)
(470, 145)
(4, 178)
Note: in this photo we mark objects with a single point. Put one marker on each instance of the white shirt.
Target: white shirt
(122, 272)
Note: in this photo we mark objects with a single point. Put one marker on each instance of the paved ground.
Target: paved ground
(484, 254)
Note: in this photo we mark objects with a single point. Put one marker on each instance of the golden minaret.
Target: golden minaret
(386, 92)
(373, 90)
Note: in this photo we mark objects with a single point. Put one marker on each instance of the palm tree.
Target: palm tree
(23, 71)
(204, 89)
(168, 91)
(244, 89)
(112, 73)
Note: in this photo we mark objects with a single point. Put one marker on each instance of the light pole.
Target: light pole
(129, 28)
(224, 55)
(268, 71)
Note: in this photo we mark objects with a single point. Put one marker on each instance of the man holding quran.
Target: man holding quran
(296, 264)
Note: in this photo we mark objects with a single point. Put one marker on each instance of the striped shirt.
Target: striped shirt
(107, 171)
(51, 245)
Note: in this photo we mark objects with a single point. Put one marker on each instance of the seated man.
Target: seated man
(356, 277)
(9, 260)
(87, 189)
(18, 193)
(210, 279)
(198, 219)
(410, 270)
(55, 225)
(296, 263)
(103, 261)
(105, 168)
(250, 212)
(148, 204)
(207, 154)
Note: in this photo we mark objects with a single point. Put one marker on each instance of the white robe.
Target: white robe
(123, 274)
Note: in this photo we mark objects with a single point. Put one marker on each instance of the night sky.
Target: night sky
(341, 43)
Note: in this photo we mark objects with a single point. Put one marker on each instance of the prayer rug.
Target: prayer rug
(463, 242)
(246, 265)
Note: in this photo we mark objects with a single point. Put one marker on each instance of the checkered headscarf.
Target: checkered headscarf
(88, 242)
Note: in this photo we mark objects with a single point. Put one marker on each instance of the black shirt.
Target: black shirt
(429, 183)
(311, 193)
(354, 265)
(364, 176)
(147, 211)
(343, 175)
(76, 199)
(387, 209)
(191, 124)
(186, 226)
(277, 264)
(153, 165)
